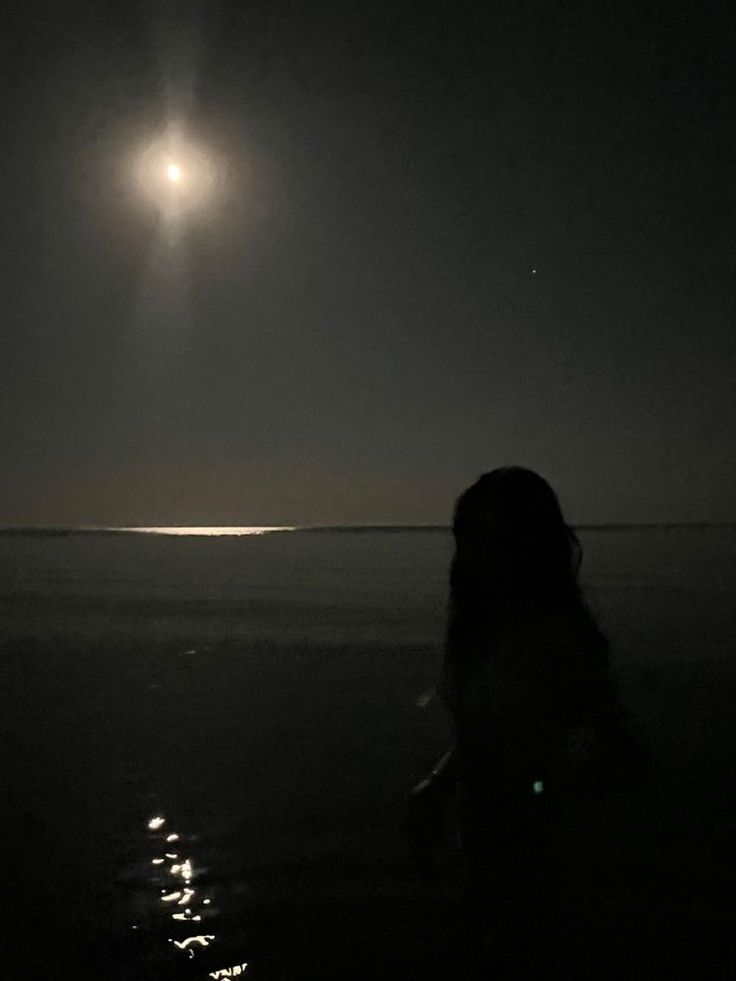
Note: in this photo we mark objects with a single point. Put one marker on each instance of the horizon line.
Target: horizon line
(242, 531)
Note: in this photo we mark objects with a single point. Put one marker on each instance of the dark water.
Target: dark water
(260, 697)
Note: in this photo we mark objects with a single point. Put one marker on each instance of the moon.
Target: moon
(179, 176)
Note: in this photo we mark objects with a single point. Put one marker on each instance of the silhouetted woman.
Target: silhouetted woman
(525, 666)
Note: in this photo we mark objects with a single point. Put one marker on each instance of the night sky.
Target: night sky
(442, 238)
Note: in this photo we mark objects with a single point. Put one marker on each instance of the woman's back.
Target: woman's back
(525, 665)
(520, 699)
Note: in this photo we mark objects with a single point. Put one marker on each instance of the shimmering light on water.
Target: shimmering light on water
(203, 939)
(182, 896)
(184, 870)
(229, 972)
(207, 531)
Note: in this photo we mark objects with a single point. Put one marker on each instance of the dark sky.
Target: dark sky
(352, 330)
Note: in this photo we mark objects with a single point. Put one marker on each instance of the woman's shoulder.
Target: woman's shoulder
(554, 651)
(564, 652)
(576, 667)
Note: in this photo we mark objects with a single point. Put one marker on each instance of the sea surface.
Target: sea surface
(384, 586)
(257, 696)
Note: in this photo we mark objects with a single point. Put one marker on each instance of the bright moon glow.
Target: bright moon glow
(179, 176)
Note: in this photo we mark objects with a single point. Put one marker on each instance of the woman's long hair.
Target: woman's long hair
(515, 560)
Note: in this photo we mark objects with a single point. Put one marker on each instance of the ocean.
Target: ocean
(257, 696)
(383, 586)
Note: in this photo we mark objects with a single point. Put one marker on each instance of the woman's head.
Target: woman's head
(516, 560)
(509, 499)
(514, 551)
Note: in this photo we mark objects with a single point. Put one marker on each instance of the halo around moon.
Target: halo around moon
(176, 174)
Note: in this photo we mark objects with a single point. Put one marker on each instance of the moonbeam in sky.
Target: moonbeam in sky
(182, 181)
(177, 178)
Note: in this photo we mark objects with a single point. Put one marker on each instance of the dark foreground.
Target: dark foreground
(284, 771)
